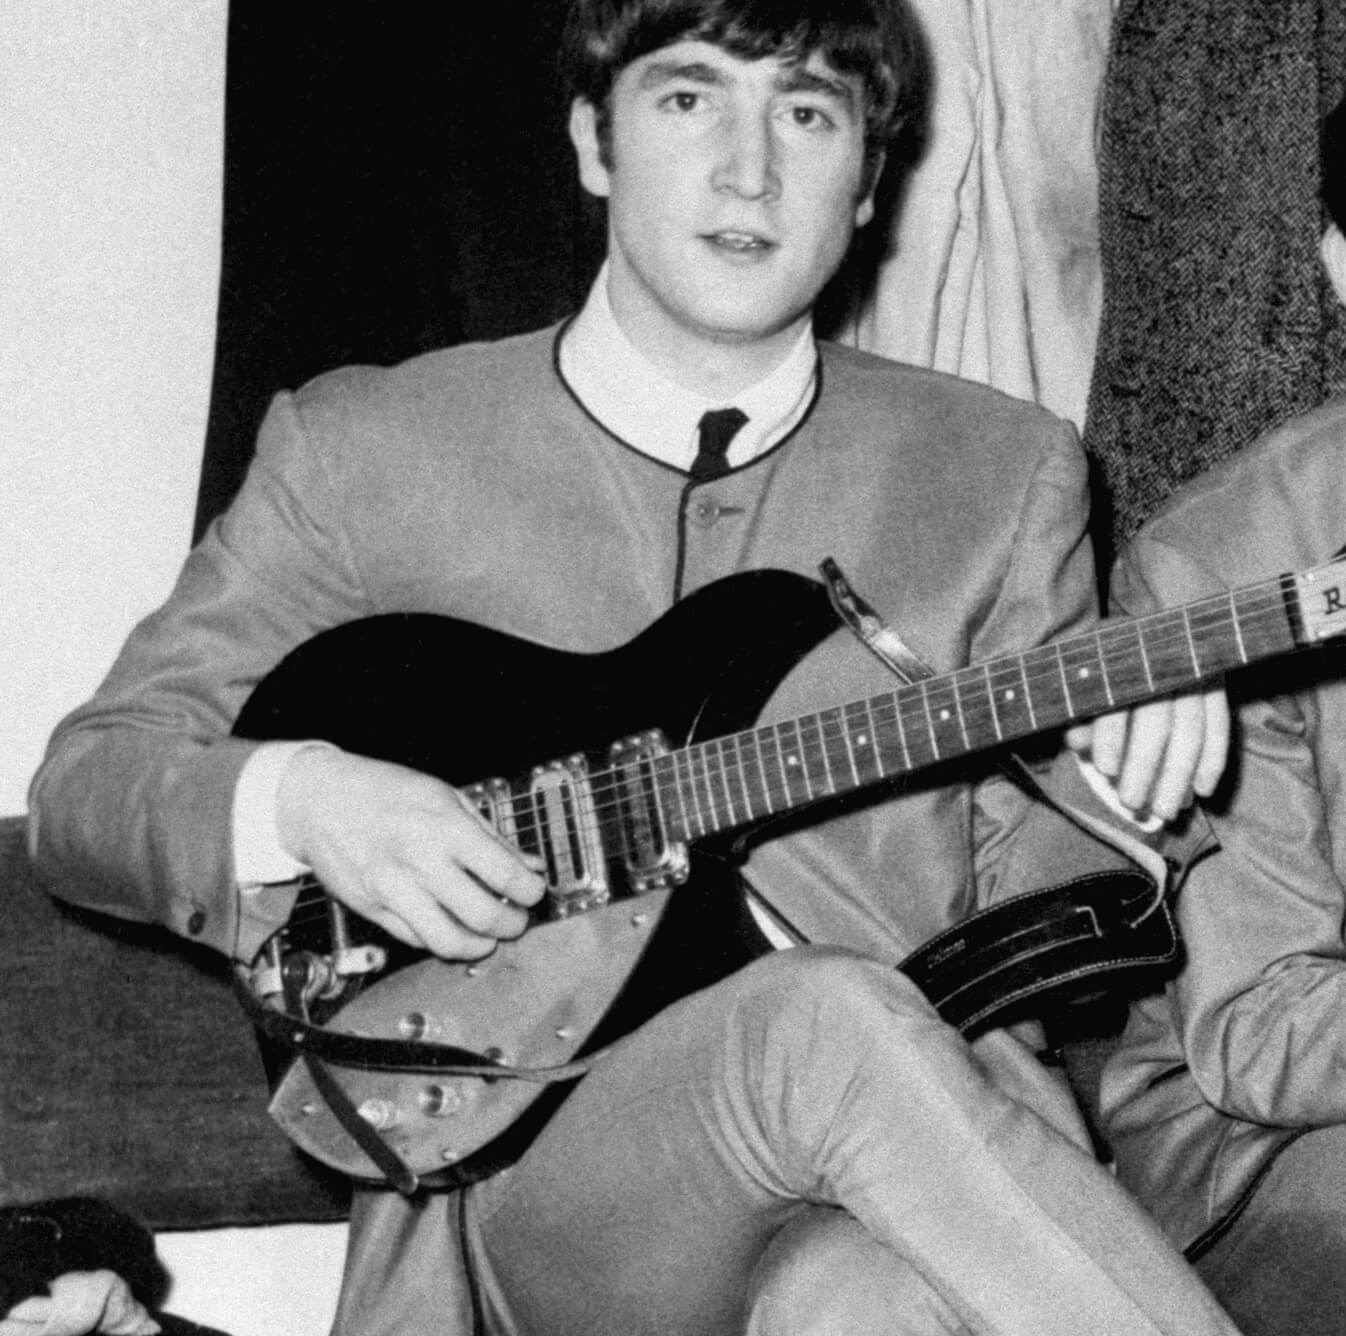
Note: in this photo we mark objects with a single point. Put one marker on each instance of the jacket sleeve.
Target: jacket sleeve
(1260, 1004)
(130, 810)
(1049, 591)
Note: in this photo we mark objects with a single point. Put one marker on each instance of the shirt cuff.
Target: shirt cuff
(1106, 792)
(259, 858)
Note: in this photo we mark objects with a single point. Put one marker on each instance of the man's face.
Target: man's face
(733, 189)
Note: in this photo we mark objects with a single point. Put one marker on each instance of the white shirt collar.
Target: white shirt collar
(635, 401)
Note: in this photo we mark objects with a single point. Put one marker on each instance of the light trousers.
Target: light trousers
(1281, 1268)
(803, 1148)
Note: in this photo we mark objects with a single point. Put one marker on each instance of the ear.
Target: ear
(594, 175)
(864, 210)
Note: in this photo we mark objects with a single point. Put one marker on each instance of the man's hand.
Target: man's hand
(1159, 754)
(405, 851)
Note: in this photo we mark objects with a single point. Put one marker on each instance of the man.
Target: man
(1225, 1103)
(805, 1146)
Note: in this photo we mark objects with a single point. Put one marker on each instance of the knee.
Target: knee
(824, 1273)
(833, 990)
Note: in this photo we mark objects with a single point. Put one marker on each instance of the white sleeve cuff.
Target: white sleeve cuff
(259, 859)
(1106, 792)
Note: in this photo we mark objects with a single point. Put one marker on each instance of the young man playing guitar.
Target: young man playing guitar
(804, 1145)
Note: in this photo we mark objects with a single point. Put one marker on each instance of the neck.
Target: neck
(719, 369)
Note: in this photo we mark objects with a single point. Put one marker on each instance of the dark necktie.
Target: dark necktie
(715, 430)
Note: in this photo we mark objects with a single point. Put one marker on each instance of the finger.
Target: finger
(1172, 787)
(1146, 745)
(1215, 746)
(496, 863)
(1107, 742)
(477, 908)
(403, 899)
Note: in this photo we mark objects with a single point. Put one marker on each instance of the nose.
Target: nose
(746, 164)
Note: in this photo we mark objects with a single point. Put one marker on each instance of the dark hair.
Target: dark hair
(875, 40)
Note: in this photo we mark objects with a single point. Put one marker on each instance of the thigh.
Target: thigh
(1281, 1268)
(824, 1274)
(639, 1208)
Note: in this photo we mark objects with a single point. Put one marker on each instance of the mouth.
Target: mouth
(739, 243)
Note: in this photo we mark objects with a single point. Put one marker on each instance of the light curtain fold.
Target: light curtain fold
(993, 269)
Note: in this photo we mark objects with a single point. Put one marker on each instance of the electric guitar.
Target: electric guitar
(659, 776)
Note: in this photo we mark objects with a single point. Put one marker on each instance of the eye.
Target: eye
(683, 100)
(809, 117)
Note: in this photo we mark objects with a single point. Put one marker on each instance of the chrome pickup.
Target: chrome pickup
(569, 837)
(652, 859)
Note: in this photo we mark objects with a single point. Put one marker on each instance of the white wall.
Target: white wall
(111, 133)
(111, 121)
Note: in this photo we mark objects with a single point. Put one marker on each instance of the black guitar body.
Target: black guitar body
(462, 702)
(465, 703)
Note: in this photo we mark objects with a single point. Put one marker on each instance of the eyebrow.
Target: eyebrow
(791, 79)
(798, 79)
(666, 71)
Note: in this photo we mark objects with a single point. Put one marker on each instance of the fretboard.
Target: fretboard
(744, 777)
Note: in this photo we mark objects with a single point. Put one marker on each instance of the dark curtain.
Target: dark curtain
(397, 178)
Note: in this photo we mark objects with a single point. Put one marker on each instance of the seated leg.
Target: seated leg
(1281, 1268)
(825, 1275)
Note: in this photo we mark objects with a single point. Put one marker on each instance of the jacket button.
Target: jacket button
(196, 925)
(704, 512)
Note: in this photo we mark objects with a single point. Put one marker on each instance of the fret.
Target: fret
(891, 752)
(836, 749)
(869, 762)
(1191, 643)
(1007, 686)
(774, 762)
(990, 698)
(1065, 681)
(916, 727)
(793, 770)
(1045, 682)
(1167, 650)
(724, 782)
(1082, 666)
(961, 713)
(1238, 630)
(976, 708)
(1128, 666)
(1214, 636)
(895, 703)
(689, 787)
(706, 786)
(761, 771)
(753, 803)
(815, 748)
(1264, 620)
(929, 722)
(846, 734)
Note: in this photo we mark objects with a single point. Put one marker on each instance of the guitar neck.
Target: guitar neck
(744, 777)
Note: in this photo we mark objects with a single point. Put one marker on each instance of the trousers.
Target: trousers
(1280, 1269)
(804, 1147)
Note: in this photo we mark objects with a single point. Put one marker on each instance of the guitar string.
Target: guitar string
(1232, 610)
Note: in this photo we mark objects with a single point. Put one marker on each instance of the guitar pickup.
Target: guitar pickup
(651, 858)
(569, 838)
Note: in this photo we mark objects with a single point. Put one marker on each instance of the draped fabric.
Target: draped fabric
(992, 270)
(1218, 321)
